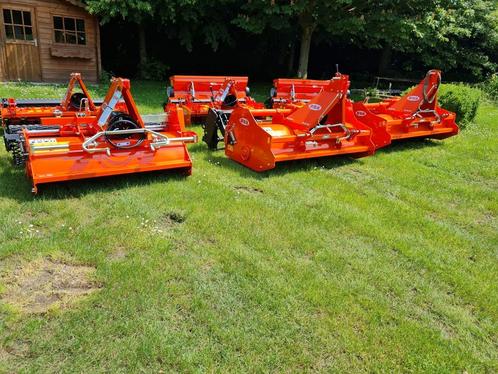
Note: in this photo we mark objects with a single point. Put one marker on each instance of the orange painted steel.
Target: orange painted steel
(414, 115)
(325, 126)
(108, 143)
(13, 113)
(289, 93)
(197, 94)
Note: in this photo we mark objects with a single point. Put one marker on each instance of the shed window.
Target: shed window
(69, 30)
(17, 24)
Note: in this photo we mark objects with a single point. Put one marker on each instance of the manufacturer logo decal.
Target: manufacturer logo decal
(315, 107)
(361, 113)
(414, 98)
(244, 121)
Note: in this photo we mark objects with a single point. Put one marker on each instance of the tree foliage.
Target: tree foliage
(446, 34)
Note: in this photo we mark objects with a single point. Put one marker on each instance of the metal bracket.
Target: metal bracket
(90, 144)
(348, 133)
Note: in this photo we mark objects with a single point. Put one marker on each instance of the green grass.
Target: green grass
(387, 263)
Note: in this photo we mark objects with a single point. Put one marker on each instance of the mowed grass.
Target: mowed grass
(382, 264)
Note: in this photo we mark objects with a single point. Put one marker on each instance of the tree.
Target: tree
(187, 19)
(137, 12)
(331, 16)
(447, 34)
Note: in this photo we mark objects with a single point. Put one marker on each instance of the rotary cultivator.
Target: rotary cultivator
(80, 138)
(414, 115)
(197, 94)
(16, 114)
(26, 111)
(111, 140)
(324, 126)
(289, 93)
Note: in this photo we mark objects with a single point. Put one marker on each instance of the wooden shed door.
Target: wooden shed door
(19, 45)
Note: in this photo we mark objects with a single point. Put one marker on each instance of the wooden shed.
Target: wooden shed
(46, 40)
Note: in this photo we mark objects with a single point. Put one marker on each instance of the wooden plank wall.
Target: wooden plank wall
(57, 69)
(27, 62)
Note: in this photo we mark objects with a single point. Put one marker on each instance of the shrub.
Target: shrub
(461, 99)
(154, 70)
(105, 77)
(490, 87)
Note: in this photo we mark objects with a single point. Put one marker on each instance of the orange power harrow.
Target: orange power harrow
(289, 93)
(325, 126)
(31, 110)
(197, 94)
(15, 114)
(106, 143)
(414, 115)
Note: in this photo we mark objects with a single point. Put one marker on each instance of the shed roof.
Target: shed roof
(77, 3)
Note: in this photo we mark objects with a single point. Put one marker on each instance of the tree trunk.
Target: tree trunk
(304, 53)
(142, 48)
(290, 62)
(385, 59)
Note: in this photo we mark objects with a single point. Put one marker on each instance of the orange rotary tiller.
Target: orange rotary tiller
(197, 94)
(414, 115)
(288, 93)
(25, 111)
(108, 143)
(325, 126)
(19, 113)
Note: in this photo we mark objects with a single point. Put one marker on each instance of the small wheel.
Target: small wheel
(122, 121)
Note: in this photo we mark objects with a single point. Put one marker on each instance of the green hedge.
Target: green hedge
(461, 99)
(490, 87)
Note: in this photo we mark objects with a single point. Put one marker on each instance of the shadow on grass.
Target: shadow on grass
(16, 185)
(410, 145)
(281, 168)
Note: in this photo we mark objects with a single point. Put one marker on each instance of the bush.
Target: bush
(490, 87)
(105, 77)
(153, 70)
(461, 99)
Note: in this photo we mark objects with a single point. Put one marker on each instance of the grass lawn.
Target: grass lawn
(386, 263)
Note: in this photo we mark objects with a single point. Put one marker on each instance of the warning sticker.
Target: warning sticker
(42, 140)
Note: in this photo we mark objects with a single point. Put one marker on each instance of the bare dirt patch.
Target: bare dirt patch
(172, 219)
(43, 284)
(247, 189)
(165, 223)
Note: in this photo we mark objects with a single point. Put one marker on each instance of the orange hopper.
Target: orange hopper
(197, 94)
(288, 93)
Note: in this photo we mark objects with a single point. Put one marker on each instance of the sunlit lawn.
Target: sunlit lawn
(386, 263)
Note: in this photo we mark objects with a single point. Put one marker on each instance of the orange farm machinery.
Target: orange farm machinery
(414, 115)
(113, 140)
(24, 111)
(288, 93)
(15, 114)
(197, 94)
(324, 126)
